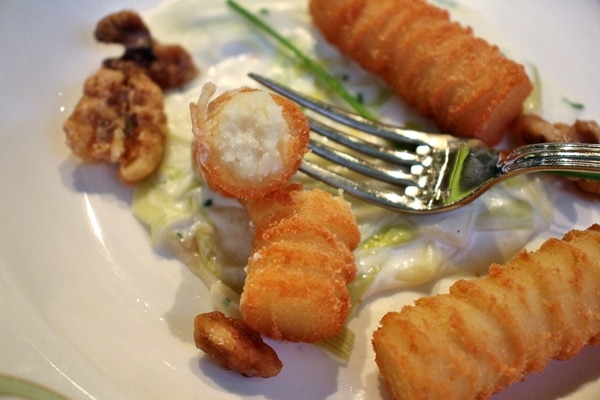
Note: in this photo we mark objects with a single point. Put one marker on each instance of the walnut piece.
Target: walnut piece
(530, 128)
(119, 119)
(231, 344)
(170, 66)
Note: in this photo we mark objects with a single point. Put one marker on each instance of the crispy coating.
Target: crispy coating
(300, 265)
(436, 65)
(531, 128)
(169, 66)
(317, 206)
(491, 332)
(119, 119)
(315, 236)
(232, 345)
(247, 143)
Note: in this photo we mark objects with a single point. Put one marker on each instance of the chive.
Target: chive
(360, 98)
(208, 203)
(340, 345)
(316, 68)
(574, 104)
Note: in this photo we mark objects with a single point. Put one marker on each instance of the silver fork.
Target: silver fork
(421, 172)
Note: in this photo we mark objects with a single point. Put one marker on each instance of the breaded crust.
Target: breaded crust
(439, 67)
(490, 332)
(301, 262)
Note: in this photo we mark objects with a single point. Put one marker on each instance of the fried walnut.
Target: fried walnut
(119, 119)
(232, 345)
(530, 128)
(169, 66)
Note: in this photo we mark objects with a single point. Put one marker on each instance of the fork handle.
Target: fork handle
(576, 157)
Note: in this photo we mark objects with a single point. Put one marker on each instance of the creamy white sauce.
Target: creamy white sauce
(226, 48)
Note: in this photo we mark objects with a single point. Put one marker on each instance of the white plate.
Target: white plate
(89, 309)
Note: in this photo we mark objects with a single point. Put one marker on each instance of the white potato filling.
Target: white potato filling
(251, 131)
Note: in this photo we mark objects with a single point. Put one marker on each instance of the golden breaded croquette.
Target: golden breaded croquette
(247, 143)
(312, 234)
(490, 332)
(301, 262)
(317, 205)
(232, 345)
(439, 67)
(294, 293)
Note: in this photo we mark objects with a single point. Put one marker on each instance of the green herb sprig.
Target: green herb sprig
(316, 68)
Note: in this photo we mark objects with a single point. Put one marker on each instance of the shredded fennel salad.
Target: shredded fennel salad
(212, 234)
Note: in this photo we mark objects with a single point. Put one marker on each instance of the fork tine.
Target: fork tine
(395, 176)
(389, 132)
(377, 151)
(385, 198)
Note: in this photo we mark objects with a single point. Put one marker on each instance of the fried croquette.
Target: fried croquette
(490, 332)
(318, 206)
(301, 262)
(232, 345)
(439, 67)
(247, 143)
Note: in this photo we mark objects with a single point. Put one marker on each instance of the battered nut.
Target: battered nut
(170, 66)
(232, 345)
(119, 119)
(530, 128)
